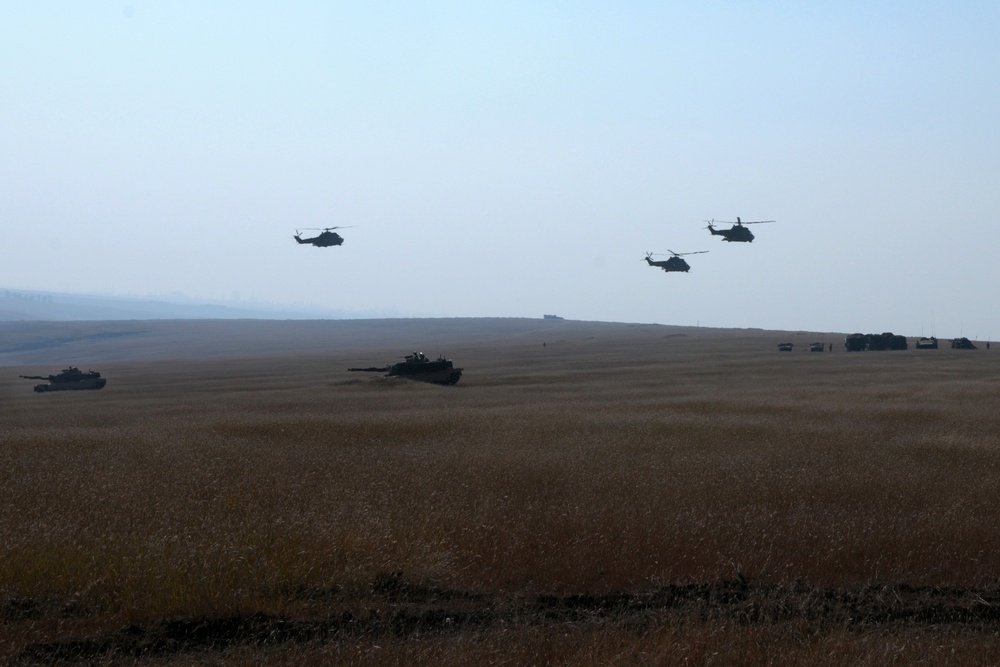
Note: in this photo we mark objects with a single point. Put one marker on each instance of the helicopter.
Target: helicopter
(675, 263)
(326, 238)
(737, 232)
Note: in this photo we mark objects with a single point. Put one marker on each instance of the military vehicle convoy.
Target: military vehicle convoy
(889, 341)
(813, 347)
(71, 378)
(418, 367)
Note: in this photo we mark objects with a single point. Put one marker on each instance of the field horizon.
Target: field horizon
(588, 493)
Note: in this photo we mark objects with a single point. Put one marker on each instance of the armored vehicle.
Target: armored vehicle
(418, 367)
(69, 378)
(817, 347)
(927, 343)
(963, 344)
(785, 347)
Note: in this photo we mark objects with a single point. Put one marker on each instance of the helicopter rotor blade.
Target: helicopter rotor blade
(326, 229)
(684, 254)
(739, 222)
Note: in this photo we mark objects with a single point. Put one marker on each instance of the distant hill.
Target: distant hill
(26, 305)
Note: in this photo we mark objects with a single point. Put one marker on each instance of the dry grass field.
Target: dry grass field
(622, 494)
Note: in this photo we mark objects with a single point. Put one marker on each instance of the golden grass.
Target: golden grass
(613, 460)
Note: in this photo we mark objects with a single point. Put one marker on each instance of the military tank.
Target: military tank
(68, 379)
(419, 367)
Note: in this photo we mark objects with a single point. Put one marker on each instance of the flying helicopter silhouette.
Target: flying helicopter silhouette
(675, 263)
(737, 232)
(326, 238)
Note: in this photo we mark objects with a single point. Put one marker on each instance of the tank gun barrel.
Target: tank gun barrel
(371, 369)
(35, 377)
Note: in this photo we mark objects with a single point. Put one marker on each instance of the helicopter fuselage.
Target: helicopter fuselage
(737, 233)
(323, 240)
(672, 264)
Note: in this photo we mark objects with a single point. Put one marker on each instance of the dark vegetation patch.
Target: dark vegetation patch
(396, 607)
(19, 608)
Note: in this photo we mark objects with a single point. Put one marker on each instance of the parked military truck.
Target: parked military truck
(875, 342)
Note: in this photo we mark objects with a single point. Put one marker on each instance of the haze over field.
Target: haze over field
(510, 159)
(21, 305)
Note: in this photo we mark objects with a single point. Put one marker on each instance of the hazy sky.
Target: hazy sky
(511, 158)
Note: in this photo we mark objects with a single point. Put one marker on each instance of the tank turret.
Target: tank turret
(68, 379)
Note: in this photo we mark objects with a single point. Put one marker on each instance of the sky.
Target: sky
(509, 159)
